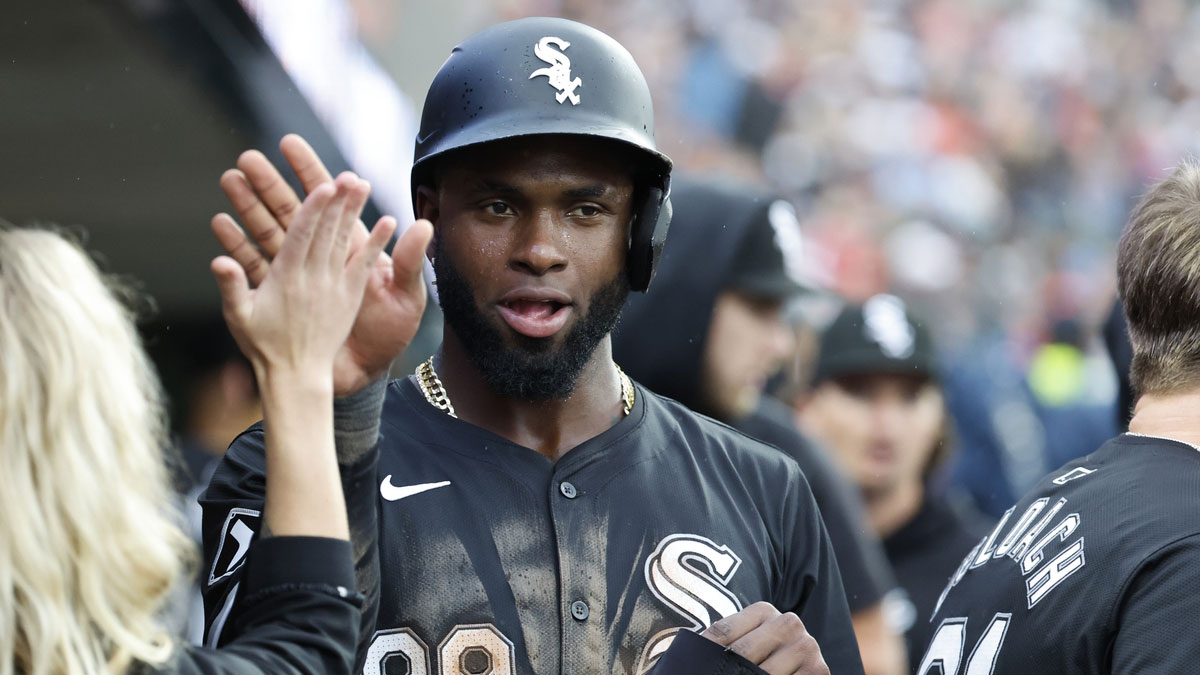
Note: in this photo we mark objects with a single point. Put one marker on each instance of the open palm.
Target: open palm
(395, 295)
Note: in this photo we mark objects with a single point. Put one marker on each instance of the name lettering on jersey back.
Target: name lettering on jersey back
(1028, 543)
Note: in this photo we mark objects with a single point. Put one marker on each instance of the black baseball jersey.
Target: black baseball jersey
(1097, 570)
(495, 559)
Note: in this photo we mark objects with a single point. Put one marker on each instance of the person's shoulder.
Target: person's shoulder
(1132, 496)
(1156, 476)
(703, 435)
(1159, 478)
(405, 406)
(242, 467)
(247, 452)
(770, 421)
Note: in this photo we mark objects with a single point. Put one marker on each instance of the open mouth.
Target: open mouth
(534, 317)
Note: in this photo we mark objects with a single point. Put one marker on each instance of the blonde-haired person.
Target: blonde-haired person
(88, 550)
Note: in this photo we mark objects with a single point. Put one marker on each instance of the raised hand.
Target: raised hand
(395, 293)
(304, 303)
(292, 326)
(777, 643)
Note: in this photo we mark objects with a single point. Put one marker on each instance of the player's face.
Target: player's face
(530, 246)
(880, 428)
(747, 343)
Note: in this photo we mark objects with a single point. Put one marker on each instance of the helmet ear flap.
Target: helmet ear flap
(648, 234)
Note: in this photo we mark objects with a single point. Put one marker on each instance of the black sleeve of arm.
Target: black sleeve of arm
(299, 616)
(691, 654)
(811, 585)
(866, 574)
(232, 518)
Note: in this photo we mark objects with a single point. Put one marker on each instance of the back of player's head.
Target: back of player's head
(87, 553)
(1158, 276)
(549, 76)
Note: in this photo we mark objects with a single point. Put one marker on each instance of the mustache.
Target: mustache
(520, 366)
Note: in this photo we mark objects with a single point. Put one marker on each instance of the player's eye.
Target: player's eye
(856, 386)
(586, 211)
(498, 209)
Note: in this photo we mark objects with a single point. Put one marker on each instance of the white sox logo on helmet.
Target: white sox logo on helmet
(559, 72)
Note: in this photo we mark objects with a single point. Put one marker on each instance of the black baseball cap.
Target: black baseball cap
(878, 336)
(760, 268)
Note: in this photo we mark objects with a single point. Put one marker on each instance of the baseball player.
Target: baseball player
(532, 509)
(1095, 570)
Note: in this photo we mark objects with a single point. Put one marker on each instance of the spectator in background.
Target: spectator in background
(219, 399)
(877, 406)
(213, 397)
(709, 333)
(89, 551)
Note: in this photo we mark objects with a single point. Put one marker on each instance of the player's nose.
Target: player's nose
(538, 247)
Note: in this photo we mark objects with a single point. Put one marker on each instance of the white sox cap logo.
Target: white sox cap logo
(559, 72)
(886, 325)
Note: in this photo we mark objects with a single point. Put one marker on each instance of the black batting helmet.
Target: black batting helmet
(541, 76)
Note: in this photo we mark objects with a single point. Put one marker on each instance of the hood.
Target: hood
(661, 336)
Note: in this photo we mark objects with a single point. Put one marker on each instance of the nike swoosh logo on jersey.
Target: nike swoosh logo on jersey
(393, 493)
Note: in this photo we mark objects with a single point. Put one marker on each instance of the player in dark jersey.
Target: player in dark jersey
(709, 334)
(537, 511)
(1095, 570)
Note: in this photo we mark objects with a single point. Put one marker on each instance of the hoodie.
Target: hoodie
(660, 338)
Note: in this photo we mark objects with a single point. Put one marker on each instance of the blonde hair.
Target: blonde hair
(1158, 276)
(88, 547)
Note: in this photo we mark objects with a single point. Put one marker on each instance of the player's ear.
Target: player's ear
(426, 201)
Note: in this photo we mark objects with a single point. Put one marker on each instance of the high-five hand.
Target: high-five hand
(292, 326)
(304, 304)
(395, 293)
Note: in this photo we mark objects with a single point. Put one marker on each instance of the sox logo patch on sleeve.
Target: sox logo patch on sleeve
(236, 534)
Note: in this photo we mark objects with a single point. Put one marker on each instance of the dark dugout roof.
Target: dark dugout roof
(118, 116)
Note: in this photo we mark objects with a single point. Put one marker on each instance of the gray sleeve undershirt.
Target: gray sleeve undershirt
(356, 421)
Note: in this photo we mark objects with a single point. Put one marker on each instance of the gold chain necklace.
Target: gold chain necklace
(435, 393)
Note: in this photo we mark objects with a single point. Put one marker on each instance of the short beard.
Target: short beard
(533, 370)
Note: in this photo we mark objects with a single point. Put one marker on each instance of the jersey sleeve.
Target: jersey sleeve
(300, 614)
(232, 520)
(811, 585)
(866, 574)
(1158, 606)
(862, 564)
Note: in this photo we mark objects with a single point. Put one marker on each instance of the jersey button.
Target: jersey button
(568, 490)
(579, 610)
